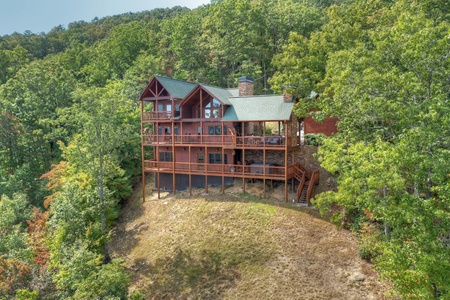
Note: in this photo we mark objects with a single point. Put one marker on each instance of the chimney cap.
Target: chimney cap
(245, 79)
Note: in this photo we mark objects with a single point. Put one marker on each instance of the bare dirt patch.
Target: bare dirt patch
(236, 246)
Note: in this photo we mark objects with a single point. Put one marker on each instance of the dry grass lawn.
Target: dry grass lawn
(237, 246)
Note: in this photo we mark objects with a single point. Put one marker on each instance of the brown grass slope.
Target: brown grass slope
(237, 246)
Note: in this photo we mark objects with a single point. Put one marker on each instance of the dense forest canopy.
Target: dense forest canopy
(70, 143)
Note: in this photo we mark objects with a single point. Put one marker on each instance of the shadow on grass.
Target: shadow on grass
(249, 196)
(122, 237)
(203, 275)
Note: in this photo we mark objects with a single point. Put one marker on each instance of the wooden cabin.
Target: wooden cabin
(196, 135)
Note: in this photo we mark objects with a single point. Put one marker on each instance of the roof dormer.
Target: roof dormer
(205, 102)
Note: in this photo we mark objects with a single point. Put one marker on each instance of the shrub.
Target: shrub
(370, 239)
(315, 139)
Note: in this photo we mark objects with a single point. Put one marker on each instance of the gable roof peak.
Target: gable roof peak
(176, 88)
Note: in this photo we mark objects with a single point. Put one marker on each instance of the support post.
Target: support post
(293, 163)
(286, 195)
(142, 151)
(223, 165)
(190, 172)
(159, 185)
(174, 177)
(264, 159)
(243, 165)
(206, 169)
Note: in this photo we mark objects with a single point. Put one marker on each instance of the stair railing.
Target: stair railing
(313, 182)
(301, 186)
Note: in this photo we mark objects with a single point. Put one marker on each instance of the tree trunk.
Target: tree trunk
(101, 195)
(387, 229)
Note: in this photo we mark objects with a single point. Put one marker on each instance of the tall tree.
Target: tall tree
(380, 67)
(391, 94)
(101, 115)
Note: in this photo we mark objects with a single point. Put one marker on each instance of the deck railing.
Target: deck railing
(225, 140)
(156, 115)
(232, 170)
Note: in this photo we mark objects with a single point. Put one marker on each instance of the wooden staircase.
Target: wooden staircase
(308, 180)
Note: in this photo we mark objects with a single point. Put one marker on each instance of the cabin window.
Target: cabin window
(160, 130)
(165, 156)
(216, 158)
(160, 107)
(201, 158)
(212, 109)
(215, 130)
(175, 130)
(216, 111)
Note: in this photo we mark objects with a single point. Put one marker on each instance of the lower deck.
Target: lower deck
(253, 170)
(186, 175)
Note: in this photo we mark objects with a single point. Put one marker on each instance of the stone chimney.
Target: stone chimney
(246, 86)
(287, 94)
(287, 97)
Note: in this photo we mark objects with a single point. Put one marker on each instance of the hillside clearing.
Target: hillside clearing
(237, 246)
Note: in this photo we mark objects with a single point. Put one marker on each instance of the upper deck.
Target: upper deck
(226, 141)
(156, 116)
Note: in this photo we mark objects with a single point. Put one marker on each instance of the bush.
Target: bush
(315, 139)
(370, 239)
(137, 295)
(27, 295)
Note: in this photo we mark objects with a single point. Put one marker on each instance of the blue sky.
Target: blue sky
(42, 15)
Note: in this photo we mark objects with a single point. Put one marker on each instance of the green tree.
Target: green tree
(33, 98)
(11, 61)
(390, 93)
(102, 115)
(15, 256)
(88, 189)
(380, 67)
(83, 276)
(114, 55)
(177, 45)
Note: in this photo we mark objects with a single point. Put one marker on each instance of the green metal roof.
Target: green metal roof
(258, 108)
(177, 88)
(234, 92)
(250, 108)
(221, 94)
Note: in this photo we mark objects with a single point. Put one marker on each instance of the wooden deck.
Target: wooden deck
(226, 141)
(156, 115)
(229, 170)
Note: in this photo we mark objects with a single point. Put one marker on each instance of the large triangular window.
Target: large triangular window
(212, 109)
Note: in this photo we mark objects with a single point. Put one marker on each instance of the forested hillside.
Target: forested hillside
(70, 128)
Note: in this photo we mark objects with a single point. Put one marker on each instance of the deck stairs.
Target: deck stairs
(307, 181)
